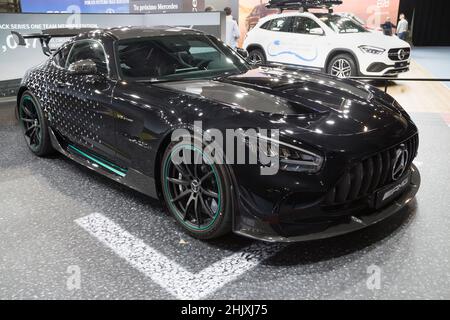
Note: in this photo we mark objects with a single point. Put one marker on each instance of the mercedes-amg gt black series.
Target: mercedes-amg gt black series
(110, 99)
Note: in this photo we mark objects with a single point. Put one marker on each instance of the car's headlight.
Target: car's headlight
(372, 50)
(299, 161)
(293, 158)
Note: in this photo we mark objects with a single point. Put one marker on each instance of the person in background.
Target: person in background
(232, 29)
(402, 28)
(387, 27)
(209, 9)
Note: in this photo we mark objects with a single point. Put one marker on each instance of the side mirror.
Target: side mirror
(317, 31)
(83, 67)
(242, 52)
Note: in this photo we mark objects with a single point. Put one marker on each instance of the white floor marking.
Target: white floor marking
(167, 273)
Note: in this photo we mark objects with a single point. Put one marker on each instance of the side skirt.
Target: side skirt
(128, 177)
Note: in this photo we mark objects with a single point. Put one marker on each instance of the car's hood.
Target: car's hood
(307, 100)
(374, 39)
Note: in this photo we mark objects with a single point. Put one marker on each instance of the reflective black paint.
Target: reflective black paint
(129, 124)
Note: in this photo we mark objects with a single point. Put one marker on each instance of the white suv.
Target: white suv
(334, 43)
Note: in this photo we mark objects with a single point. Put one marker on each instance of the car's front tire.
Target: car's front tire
(257, 56)
(343, 66)
(34, 125)
(199, 196)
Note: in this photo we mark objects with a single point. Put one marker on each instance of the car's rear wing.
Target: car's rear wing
(46, 36)
(303, 4)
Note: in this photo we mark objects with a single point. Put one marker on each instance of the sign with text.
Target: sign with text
(161, 6)
(112, 6)
(75, 6)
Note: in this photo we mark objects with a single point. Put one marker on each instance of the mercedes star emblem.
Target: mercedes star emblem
(401, 54)
(400, 162)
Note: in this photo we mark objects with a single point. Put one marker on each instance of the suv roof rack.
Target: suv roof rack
(303, 5)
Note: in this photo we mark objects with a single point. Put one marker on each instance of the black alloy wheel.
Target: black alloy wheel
(34, 125)
(196, 192)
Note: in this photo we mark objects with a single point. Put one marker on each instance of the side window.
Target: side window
(348, 26)
(305, 25)
(280, 24)
(88, 49)
(60, 57)
(266, 25)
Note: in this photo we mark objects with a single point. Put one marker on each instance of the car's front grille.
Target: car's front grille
(368, 175)
(399, 54)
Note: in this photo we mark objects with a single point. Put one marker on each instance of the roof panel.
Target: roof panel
(136, 32)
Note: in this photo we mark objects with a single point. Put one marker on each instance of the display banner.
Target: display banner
(126, 6)
(15, 60)
(160, 6)
(372, 12)
(75, 6)
(113, 6)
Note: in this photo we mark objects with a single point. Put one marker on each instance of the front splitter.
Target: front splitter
(354, 223)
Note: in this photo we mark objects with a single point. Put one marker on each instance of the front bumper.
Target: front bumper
(382, 65)
(266, 232)
(388, 69)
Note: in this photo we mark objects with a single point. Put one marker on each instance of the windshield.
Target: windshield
(177, 57)
(341, 24)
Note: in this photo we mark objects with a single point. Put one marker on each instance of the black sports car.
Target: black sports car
(110, 99)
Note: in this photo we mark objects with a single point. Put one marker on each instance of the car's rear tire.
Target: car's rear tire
(34, 125)
(257, 56)
(343, 66)
(199, 196)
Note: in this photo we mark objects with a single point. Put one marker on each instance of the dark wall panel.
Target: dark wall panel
(430, 19)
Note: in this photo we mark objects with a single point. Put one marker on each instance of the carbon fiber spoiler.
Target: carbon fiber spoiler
(46, 35)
